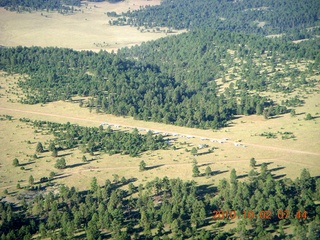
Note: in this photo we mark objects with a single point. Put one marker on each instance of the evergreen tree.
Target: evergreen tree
(15, 162)
(142, 166)
(54, 152)
(233, 176)
(60, 163)
(253, 162)
(208, 171)
(195, 171)
(39, 148)
(194, 151)
(31, 180)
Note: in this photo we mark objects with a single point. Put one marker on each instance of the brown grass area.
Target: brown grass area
(293, 155)
(87, 29)
(90, 30)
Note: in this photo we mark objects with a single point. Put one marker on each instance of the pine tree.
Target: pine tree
(60, 163)
(253, 162)
(208, 171)
(195, 171)
(54, 152)
(142, 166)
(233, 176)
(15, 162)
(39, 148)
(31, 180)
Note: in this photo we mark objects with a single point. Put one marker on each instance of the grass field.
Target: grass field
(87, 29)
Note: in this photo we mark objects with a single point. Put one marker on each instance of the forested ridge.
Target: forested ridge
(179, 86)
(121, 87)
(35, 5)
(30, 5)
(168, 209)
(244, 16)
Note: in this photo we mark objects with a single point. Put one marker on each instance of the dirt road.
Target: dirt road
(272, 148)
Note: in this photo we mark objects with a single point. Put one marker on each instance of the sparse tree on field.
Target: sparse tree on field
(84, 159)
(208, 171)
(54, 152)
(293, 112)
(142, 166)
(52, 174)
(195, 171)
(194, 161)
(266, 113)
(31, 180)
(39, 148)
(15, 162)
(194, 151)
(60, 163)
(309, 117)
(51, 146)
(253, 162)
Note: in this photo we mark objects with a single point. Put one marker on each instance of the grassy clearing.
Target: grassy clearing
(87, 29)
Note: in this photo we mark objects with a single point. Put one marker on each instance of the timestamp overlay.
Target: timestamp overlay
(263, 214)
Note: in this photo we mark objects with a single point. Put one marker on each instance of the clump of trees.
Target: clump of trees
(92, 139)
(167, 207)
(284, 16)
(60, 163)
(152, 89)
(31, 5)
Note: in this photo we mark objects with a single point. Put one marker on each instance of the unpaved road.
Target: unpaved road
(272, 148)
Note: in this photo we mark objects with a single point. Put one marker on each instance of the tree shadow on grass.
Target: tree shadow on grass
(204, 153)
(276, 169)
(301, 113)
(76, 165)
(26, 164)
(278, 176)
(215, 173)
(60, 176)
(259, 165)
(205, 164)
(153, 167)
(242, 176)
(64, 154)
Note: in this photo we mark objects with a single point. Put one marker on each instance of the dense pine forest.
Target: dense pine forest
(34, 5)
(169, 209)
(62, 6)
(251, 16)
(177, 86)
